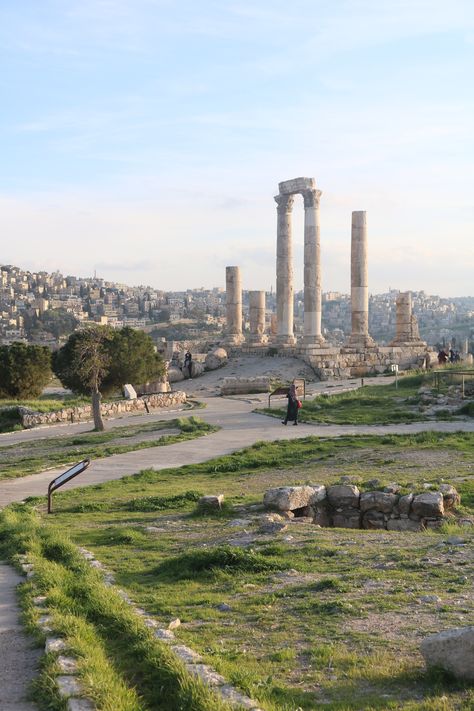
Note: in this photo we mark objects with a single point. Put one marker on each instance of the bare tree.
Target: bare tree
(92, 364)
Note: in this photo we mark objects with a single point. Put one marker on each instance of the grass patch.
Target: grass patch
(34, 456)
(369, 405)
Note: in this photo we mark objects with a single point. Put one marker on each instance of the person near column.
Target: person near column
(188, 363)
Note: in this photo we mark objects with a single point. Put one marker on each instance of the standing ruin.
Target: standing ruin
(233, 283)
(359, 337)
(312, 262)
(257, 318)
(360, 355)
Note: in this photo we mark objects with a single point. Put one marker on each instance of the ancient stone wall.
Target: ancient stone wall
(109, 409)
(344, 506)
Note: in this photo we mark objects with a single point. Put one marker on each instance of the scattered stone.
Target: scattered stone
(224, 607)
(272, 524)
(174, 624)
(235, 698)
(430, 598)
(39, 600)
(186, 654)
(164, 635)
(289, 515)
(67, 665)
(206, 674)
(455, 541)
(239, 522)
(374, 483)
(452, 650)
(211, 502)
(373, 520)
(69, 686)
(54, 644)
(384, 566)
(404, 504)
(350, 479)
(80, 705)
(150, 622)
(45, 622)
(429, 505)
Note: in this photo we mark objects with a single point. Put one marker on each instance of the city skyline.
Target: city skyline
(146, 141)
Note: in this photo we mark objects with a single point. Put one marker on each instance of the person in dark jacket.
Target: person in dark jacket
(292, 408)
(188, 363)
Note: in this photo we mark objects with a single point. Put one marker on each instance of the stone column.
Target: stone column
(284, 276)
(312, 269)
(359, 282)
(407, 332)
(233, 284)
(257, 317)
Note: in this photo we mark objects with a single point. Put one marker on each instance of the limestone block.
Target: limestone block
(347, 518)
(215, 359)
(211, 501)
(67, 665)
(322, 516)
(289, 498)
(244, 386)
(403, 524)
(236, 699)
(428, 505)
(54, 644)
(206, 674)
(272, 523)
(451, 497)
(378, 500)
(186, 654)
(68, 686)
(373, 520)
(343, 496)
(404, 503)
(129, 392)
(452, 650)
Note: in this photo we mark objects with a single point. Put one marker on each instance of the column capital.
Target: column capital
(311, 197)
(284, 202)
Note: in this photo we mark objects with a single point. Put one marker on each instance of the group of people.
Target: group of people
(451, 356)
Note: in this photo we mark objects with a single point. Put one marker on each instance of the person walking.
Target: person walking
(188, 363)
(292, 407)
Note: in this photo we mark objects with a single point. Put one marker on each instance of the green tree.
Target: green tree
(24, 370)
(59, 322)
(133, 359)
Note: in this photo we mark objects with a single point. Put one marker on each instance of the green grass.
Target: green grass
(34, 456)
(303, 618)
(370, 405)
(122, 665)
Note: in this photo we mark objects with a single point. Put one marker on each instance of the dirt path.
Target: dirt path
(18, 660)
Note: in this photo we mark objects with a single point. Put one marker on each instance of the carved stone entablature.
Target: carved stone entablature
(296, 185)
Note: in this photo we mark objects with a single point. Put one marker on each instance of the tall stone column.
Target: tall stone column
(359, 282)
(233, 285)
(257, 317)
(284, 276)
(312, 269)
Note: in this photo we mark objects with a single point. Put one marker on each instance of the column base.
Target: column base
(234, 339)
(359, 340)
(314, 341)
(285, 340)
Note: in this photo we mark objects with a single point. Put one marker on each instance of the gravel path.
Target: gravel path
(18, 660)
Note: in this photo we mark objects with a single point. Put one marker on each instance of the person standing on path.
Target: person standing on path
(292, 407)
(188, 363)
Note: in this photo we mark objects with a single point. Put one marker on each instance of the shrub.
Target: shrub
(24, 370)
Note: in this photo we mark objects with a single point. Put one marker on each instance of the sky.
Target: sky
(145, 139)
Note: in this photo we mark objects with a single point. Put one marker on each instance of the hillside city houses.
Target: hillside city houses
(43, 308)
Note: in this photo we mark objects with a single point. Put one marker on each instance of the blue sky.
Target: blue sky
(146, 138)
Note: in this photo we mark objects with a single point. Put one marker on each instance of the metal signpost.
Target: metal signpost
(64, 478)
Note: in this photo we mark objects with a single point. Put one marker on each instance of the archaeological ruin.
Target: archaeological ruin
(360, 355)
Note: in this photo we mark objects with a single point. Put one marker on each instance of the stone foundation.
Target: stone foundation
(344, 506)
(109, 409)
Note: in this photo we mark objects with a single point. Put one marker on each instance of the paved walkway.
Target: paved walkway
(240, 427)
(18, 660)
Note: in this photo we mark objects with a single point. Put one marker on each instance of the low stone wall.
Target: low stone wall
(344, 506)
(245, 386)
(109, 409)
